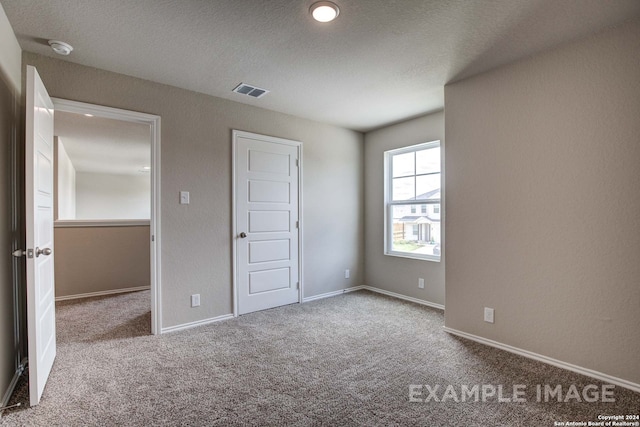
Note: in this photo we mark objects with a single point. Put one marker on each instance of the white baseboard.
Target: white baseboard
(102, 293)
(332, 294)
(404, 297)
(196, 323)
(548, 360)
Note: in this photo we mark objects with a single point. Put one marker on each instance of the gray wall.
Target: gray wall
(394, 274)
(9, 123)
(196, 156)
(99, 259)
(543, 201)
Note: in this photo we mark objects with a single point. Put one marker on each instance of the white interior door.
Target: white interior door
(266, 221)
(39, 232)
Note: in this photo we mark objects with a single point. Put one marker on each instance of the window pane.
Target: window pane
(403, 164)
(415, 233)
(428, 161)
(403, 189)
(428, 187)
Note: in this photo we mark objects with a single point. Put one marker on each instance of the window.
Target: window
(413, 178)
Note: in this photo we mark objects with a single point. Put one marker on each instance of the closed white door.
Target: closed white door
(266, 184)
(41, 321)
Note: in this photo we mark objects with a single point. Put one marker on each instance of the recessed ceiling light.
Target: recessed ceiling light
(324, 11)
(89, 115)
(147, 168)
(61, 48)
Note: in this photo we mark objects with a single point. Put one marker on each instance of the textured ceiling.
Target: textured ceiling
(380, 62)
(102, 145)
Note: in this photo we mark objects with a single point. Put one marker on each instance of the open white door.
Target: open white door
(266, 185)
(39, 232)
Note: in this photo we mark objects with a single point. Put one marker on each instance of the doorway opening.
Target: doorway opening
(107, 210)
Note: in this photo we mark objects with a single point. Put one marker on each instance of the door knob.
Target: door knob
(45, 251)
(243, 235)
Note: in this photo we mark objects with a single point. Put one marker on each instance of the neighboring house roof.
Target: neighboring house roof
(429, 195)
(418, 219)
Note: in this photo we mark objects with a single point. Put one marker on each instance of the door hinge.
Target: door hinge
(297, 162)
(298, 285)
(297, 224)
(153, 238)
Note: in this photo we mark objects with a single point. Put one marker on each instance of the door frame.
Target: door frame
(235, 134)
(155, 244)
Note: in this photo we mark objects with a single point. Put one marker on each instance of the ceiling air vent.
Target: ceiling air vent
(249, 90)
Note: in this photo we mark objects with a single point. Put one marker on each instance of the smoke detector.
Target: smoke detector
(61, 48)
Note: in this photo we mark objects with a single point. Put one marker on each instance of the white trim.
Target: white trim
(234, 135)
(388, 204)
(87, 223)
(10, 389)
(103, 111)
(155, 229)
(197, 323)
(300, 226)
(404, 297)
(332, 294)
(153, 121)
(548, 360)
(234, 240)
(102, 293)
(423, 257)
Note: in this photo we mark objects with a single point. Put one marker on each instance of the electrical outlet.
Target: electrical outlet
(421, 283)
(488, 315)
(347, 274)
(195, 300)
(184, 197)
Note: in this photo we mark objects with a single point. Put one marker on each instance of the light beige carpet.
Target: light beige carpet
(341, 361)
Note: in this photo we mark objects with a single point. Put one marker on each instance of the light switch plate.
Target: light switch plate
(195, 300)
(184, 197)
(488, 315)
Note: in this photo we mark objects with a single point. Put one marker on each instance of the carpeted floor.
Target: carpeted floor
(341, 361)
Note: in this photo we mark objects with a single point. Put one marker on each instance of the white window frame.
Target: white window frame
(389, 204)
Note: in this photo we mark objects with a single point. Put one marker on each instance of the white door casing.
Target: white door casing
(39, 234)
(266, 215)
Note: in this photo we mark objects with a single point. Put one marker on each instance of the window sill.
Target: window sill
(431, 258)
